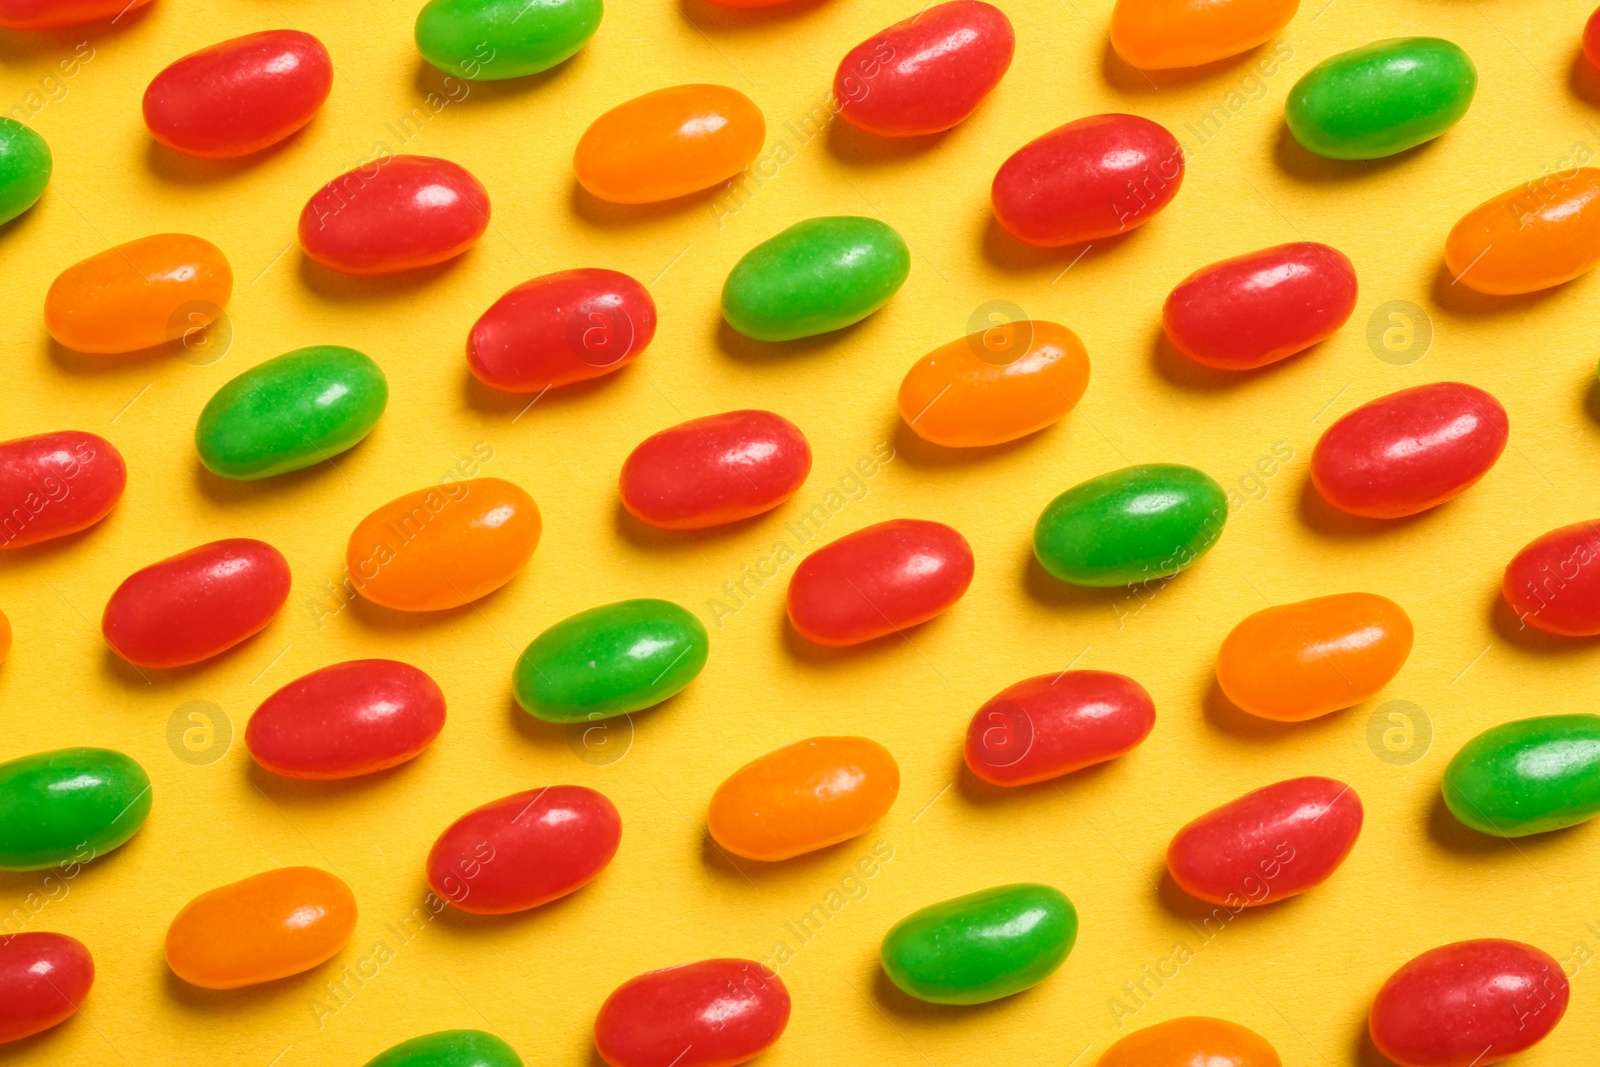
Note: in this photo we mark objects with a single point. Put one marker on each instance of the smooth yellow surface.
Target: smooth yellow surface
(1301, 973)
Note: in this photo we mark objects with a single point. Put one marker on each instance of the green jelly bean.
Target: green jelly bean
(1133, 525)
(489, 40)
(982, 946)
(292, 411)
(72, 804)
(1382, 98)
(24, 168)
(610, 660)
(449, 1048)
(818, 275)
(1528, 776)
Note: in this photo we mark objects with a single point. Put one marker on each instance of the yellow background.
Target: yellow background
(1302, 972)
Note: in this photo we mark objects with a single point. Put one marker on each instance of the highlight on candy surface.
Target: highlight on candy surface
(148, 292)
(393, 214)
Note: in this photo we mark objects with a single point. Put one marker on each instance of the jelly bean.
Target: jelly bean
(292, 411)
(444, 546)
(138, 295)
(1261, 307)
(611, 660)
(714, 470)
(877, 581)
(1055, 724)
(44, 977)
(1192, 1041)
(239, 96)
(197, 604)
(669, 143)
(68, 805)
(25, 164)
(1293, 662)
(268, 926)
(449, 1048)
(1528, 776)
(1552, 585)
(982, 946)
(561, 328)
(714, 1013)
(524, 850)
(1137, 524)
(488, 40)
(1469, 1004)
(345, 720)
(55, 484)
(817, 276)
(1092, 178)
(803, 797)
(1381, 98)
(55, 14)
(995, 386)
(1542, 233)
(926, 73)
(392, 214)
(1164, 34)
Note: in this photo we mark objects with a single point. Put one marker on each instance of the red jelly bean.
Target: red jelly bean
(524, 850)
(926, 73)
(56, 484)
(54, 14)
(561, 328)
(43, 979)
(714, 1013)
(1091, 178)
(191, 606)
(1409, 451)
(1591, 39)
(716, 469)
(1271, 844)
(878, 581)
(1554, 583)
(1261, 307)
(394, 213)
(348, 719)
(1055, 724)
(1468, 1004)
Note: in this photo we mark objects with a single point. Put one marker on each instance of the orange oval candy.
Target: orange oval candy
(138, 295)
(1163, 34)
(443, 546)
(267, 926)
(669, 143)
(803, 797)
(1192, 1041)
(1541, 233)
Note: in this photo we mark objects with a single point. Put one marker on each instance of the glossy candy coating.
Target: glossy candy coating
(487, 40)
(1192, 1041)
(1542, 233)
(1528, 776)
(261, 928)
(982, 946)
(669, 143)
(346, 719)
(1381, 98)
(714, 470)
(561, 328)
(1055, 724)
(392, 214)
(1591, 39)
(449, 1048)
(68, 806)
(714, 1013)
(995, 386)
(138, 295)
(1553, 584)
(43, 979)
(55, 14)
(817, 276)
(55, 484)
(1163, 34)
(1137, 524)
(239, 96)
(25, 165)
(926, 73)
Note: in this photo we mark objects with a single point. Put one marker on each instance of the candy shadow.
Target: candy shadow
(43, 551)
(598, 212)
(1224, 715)
(428, 80)
(736, 345)
(1007, 253)
(1298, 162)
(856, 147)
(490, 401)
(759, 874)
(1127, 78)
(264, 996)
(22, 221)
(23, 46)
(982, 794)
(133, 677)
(1178, 369)
(1591, 399)
(1199, 913)
(1328, 521)
(1583, 79)
(1054, 593)
(923, 453)
(643, 535)
(1453, 835)
(356, 288)
(1460, 299)
(179, 169)
(815, 655)
(317, 794)
(721, 863)
(468, 926)
(230, 491)
(1366, 1053)
(74, 362)
(718, 17)
(391, 620)
(895, 1001)
(1503, 618)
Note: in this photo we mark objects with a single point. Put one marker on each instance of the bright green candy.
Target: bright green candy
(1134, 525)
(1383, 98)
(72, 804)
(292, 411)
(487, 40)
(449, 1048)
(610, 660)
(816, 276)
(982, 946)
(1528, 776)
(24, 168)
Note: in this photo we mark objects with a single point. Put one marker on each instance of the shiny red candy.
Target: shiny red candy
(524, 850)
(348, 719)
(55, 484)
(1261, 307)
(1409, 451)
(714, 1013)
(561, 328)
(54, 14)
(1274, 843)
(1591, 39)
(1554, 583)
(1092, 178)
(926, 73)
(716, 469)
(394, 213)
(196, 604)
(878, 581)
(43, 979)
(1055, 724)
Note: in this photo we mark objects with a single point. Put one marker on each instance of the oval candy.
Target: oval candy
(1527, 777)
(392, 214)
(68, 806)
(25, 166)
(44, 977)
(268, 926)
(488, 40)
(55, 484)
(715, 470)
(714, 1013)
(669, 143)
(1192, 1041)
(57, 14)
(1381, 98)
(449, 1048)
(1551, 584)
(1054, 724)
(1165, 34)
(1542, 233)
(138, 295)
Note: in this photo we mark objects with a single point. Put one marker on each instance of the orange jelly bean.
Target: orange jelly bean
(1541, 233)
(995, 386)
(1297, 661)
(138, 295)
(267, 926)
(1162, 34)
(669, 143)
(1192, 1041)
(803, 797)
